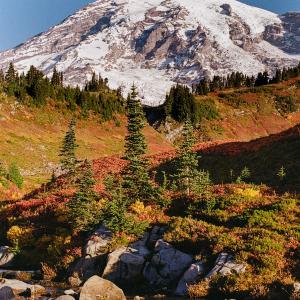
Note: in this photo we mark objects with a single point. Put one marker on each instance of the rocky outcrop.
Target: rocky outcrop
(90, 264)
(6, 257)
(285, 35)
(225, 265)
(126, 263)
(98, 242)
(191, 275)
(19, 287)
(98, 288)
(166, 265)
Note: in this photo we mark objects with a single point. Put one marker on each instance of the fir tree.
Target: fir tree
(188, 160)
(68, 150)
(281, 173)
(56, 78)
(2, 78)
(84, 212)
(136, 178)
(11, 74)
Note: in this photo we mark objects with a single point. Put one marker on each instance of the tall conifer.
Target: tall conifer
(68, 150)
(188, 160)
(136, 178)
(84, 213)
(11, 74)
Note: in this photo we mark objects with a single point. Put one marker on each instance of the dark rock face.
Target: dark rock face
(285, 36)
(227, 10)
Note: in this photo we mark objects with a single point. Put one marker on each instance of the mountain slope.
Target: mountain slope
(156, 43)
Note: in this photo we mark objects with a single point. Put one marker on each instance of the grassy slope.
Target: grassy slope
(247, 114)
(32, 137)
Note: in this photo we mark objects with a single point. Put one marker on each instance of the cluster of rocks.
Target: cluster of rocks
(99, 272)
(151, 260)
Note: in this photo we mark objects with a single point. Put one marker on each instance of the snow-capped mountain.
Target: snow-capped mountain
(156, 43)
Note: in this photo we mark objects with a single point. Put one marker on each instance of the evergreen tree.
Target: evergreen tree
(188, 160)
(67, 153)
(14, 175)
(56, 78)
(2, 77)
(11, 74)
(84, 212)
(136, 178)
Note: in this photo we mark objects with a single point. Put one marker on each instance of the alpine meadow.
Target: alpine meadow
(151, 150)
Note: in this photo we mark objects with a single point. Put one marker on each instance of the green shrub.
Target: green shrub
(14, 175)
(285, 104)
(264, 219)
(206, 110)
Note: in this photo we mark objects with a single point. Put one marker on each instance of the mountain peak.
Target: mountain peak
(155, 43)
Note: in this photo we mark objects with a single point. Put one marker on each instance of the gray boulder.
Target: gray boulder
(127, 263)
(94, 251)
(19, 287)
(83, 269)
(225, 265)
(191, 275)
(6, 293)
(167, 265)
(98, 288)
(98, 242)
(65, 297)
(6, 257)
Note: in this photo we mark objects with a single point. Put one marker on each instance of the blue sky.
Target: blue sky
(21, 19)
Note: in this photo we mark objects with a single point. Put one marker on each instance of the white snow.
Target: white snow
(111, 53)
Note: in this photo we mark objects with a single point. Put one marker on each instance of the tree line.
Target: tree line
(238, 80)
(34, 88)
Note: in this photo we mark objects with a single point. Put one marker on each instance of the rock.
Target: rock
(6, 293)
(83, 269)
(70, 292)
(190, 276)
(65, 297)
(125, 264)
(138, 298)
(98, 242)
(6, 257)
(98, 288)
(225, 265)
(19, 287)
(156, 234)
(167, 264)
(141, 245)
(296, 290)
(75, 280)
(227, 9)
(91, 263)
